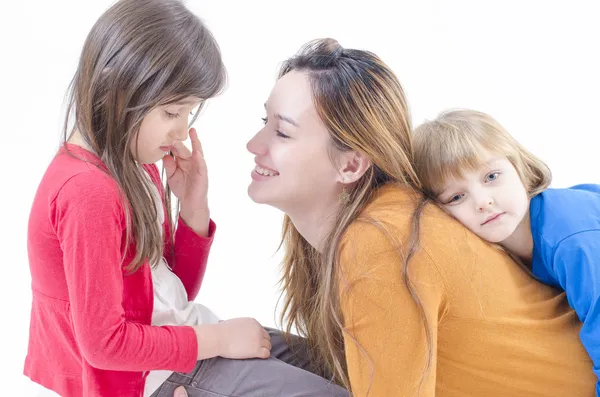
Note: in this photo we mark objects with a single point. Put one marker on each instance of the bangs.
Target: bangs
(451, 163)
(446, 151)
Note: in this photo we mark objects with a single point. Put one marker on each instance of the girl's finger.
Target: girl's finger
(170, 165)
(196, 144)
(181, 150)
(263, 352)
(266, 334)
(266, 344)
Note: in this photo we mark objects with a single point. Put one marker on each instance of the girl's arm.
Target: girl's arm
(89, 224)
(380, 313)
(189, 256)
(576, 263)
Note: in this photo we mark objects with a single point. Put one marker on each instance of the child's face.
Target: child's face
(160, 128)
(491, 201)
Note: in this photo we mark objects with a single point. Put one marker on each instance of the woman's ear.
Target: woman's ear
(353, 166)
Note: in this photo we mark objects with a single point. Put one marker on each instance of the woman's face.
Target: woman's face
(293, 152)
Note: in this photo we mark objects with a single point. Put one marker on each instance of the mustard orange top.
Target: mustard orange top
(495, 331)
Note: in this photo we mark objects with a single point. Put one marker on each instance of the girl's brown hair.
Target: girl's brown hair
(363, 106)
(140, 54)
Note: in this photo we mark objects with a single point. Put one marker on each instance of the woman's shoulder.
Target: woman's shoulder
(442, 241)
(396, 206)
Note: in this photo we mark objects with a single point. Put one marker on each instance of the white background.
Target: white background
(533, 65)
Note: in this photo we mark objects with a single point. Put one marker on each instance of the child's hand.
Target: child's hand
(241, 338)
(188, 179)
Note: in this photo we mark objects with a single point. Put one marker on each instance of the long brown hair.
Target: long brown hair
(452, 143)
(138, 55)
(363, 106)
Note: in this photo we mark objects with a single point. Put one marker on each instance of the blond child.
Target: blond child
(477, 172)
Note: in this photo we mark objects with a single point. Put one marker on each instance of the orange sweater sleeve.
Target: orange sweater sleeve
(387, 348)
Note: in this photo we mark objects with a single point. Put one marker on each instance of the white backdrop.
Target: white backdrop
(531, 64)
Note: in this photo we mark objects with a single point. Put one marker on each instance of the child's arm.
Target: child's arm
(189, 256)
(89, 223)
(576, 262)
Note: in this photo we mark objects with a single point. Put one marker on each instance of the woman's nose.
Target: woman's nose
(256, 145)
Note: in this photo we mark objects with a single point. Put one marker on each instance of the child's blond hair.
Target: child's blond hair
(453, 143)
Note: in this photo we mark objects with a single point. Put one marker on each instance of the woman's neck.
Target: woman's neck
(315, 224)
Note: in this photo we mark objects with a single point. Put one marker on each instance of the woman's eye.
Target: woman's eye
(282, 135)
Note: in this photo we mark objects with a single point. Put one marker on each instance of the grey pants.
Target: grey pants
(284, 374)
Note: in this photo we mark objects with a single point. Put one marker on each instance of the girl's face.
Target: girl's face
(293, 151)
(160, 128)
(491, 201)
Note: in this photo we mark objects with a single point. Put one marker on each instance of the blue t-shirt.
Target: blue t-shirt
(565, 224)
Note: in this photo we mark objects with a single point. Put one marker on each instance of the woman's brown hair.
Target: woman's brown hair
(363, 106)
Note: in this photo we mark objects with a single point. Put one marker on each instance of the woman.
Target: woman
(395, 297)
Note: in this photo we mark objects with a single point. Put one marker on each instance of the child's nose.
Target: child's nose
(182, 133)
(485, 204)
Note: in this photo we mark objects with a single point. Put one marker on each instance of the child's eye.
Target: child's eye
(455, 199)
(492, 177)
(264, 120)
(171, 115)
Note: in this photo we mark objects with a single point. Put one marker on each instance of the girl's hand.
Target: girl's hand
(188, 179)
(242, 338)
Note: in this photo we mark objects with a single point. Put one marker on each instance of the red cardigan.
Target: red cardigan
(90, 332)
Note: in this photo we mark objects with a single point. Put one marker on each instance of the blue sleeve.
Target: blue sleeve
(590, 187)
(576, 263)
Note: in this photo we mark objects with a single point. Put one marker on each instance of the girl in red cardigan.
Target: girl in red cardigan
(113, 276)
